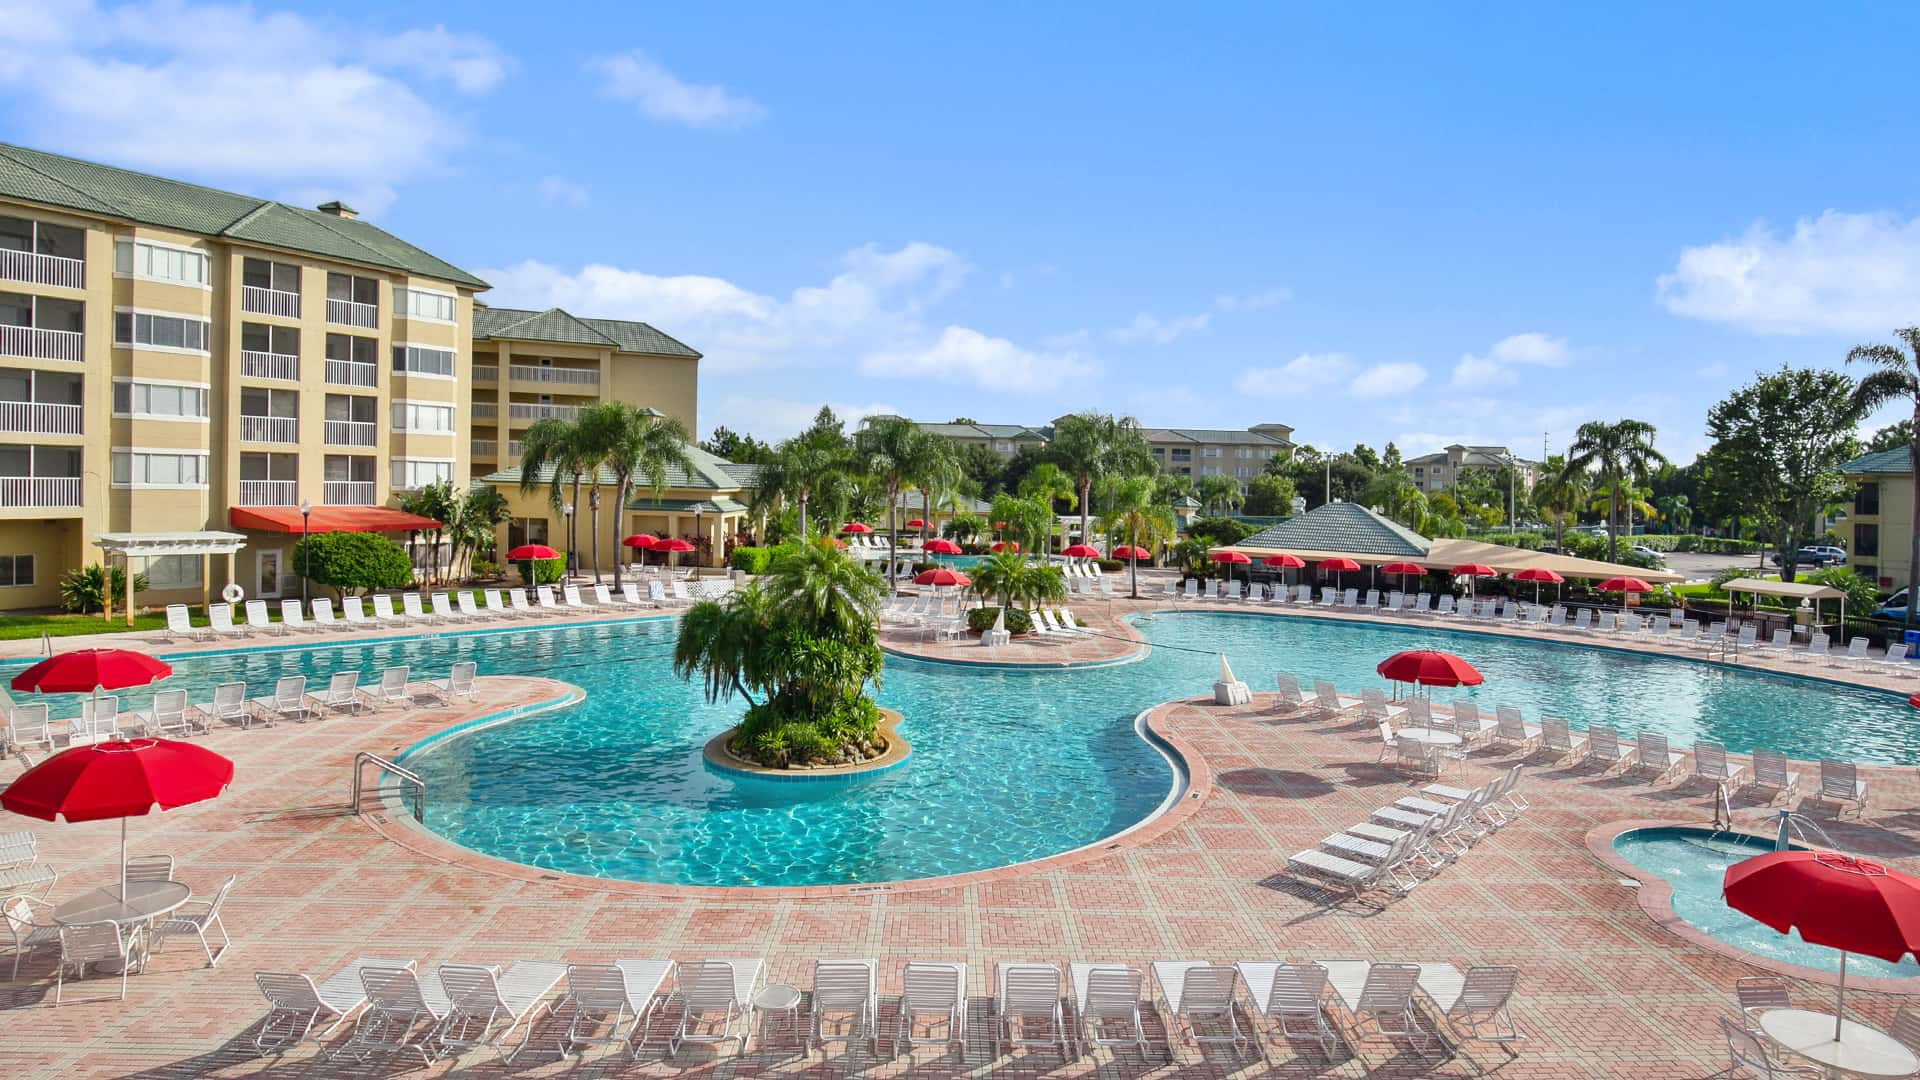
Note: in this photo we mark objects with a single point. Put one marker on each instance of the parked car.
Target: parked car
(1646, 552)
(1818, 556)
(1893, 607)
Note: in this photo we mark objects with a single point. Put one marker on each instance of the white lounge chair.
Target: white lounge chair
(353, 612)
(98, 722)
(572, 595)
(1710, 764)
(1291, 994)
(1024, 994)
(1510, 730)
(402, 1013)
(292, 617)
(229, 705)
(1558, 740)
(343, 694)
(413, 609)
(1651, 755)
(458, 683)
(443, 608)
(846, 1003)
(933, 992)
(323, 618)
(180, 624)
(259, 621)
(605, 997)
(295, 1006)
(463, 603)
(27, 725)
(548, 603)
(288, 701)
(1840, 782)
(383, 608)
(1770, 773)
(496, 606)
(220, 621)
(485, 1004)
(709, 987)
(1106, 995)
(168, 715)
(1287, 692)
(1476, 1006)
(1603, 747)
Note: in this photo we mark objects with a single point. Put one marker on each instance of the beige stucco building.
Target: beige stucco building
(1438, 470)
(1192, 452)
(1881, 517)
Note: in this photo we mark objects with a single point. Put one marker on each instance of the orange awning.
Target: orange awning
(286, 519)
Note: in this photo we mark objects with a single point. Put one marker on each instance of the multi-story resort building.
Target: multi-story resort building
(1436, 471)
(1881, 517)
(1003, 439)
(1191, 452)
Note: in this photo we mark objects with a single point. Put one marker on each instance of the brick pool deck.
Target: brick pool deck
(1604, 990)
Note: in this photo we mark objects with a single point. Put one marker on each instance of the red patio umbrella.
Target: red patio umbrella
(1082, 551)
(916, 523)
(1230, 558)
(1429, 667)
(1472, 571)
(84, 671)
(1403, 569)
(1127, 551)
(856, 527)
(1836, 900)
(526, 552)
(1537, 574)
(1339, 565)
(941, 576)
(1624, 585)
(118, 780)
(1284, 561)
(943, 547)
(1005, 545)
(643, 541)
(1914, 701)
(673, 546)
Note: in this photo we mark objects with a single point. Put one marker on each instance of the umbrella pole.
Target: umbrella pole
(1840, 1005)
(123, 871)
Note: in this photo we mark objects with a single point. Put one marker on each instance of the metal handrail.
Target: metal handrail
(414, 784)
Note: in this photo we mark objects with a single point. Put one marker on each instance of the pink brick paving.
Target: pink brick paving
(1605, 991)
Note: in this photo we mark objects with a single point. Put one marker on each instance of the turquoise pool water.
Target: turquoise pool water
(958, 562)
(616, 786)
(1695, 862)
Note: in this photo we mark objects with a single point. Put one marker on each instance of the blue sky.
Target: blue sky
(1406, 224)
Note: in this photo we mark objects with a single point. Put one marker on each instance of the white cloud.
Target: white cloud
(638, 79)
(1147, 328)
(564, 192)
(239, 96)
(1497, 367)
(1387, 380)
(1838, 273)
(965, 355)
(1259, 300)
(1303, 372)
(771, 419)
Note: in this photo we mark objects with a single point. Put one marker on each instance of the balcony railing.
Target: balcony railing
(40, 492)
(352, 313)
(485, 448)
(38, 418)
(280, 429)
(348, 373)
(348, 433)
(486, 373)
(517, 411)
(268, 492)
(347, 492)
(513, 449)
(38, 269)
(536, 373)
(485, 410)
(269, 365)
(42, 344)
(262, 301)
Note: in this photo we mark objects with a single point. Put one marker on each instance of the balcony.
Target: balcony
(263, 301)
(485, 448)
(486, 373)
(347, 492)
(37, 418)
(269, 365)
(40, 492)
(563, 375)
(42, 344)
(348, 433)
(485, 410)
(37, 269)
(274, 429)
(513, 449)
(353, 313)
(348, 373)
(517, 411)
(268, 492)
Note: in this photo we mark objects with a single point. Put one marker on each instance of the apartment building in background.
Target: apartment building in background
(1191, 452)
(179, 363)
(1435, 471)
(1881, 516)
(1003, 439)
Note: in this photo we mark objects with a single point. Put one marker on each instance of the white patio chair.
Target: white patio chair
(148, 868)
(604, 997)
(259, 621)
(1510, 730)
(1024, 994)
(323, 615)
(343, 694)
(1756, 994)
(458, 683)
(936, 993)
(180, 624)
(710, 987)
(288, 701)
(1197, 993)
(1385, 1002)
(353, 611)
(1106, 996)
(194, 918)
(1651, 755)
(1291, 994)
(602, 597)
(518, 599)
(168, 715)
(443, 608)
(82, 944)
(630, 593)
(467, 608)
(1840, 782)
(1603, 747)
(1477, 1006)
(413, 609)
(229, 705)
(844, 993)
(485, 1005)
(1710, 764)
(28, 726)
(295, 1005)
(1558, 740)
(402, 1013)
(292, 616)
(548, 604)
(383, 608)
(220, 621)
(1747, 1055)
(1287, 692)
(98, 722)
(1770, 772)
(571, 594)
(29, 931)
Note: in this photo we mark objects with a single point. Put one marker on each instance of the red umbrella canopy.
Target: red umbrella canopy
(1342, 564)
(1286, 562)
(1403, 568)
(856, 527)
(943, 547)
(1625, 584)
(941, 576)
(1835, 900)
(1006, 545)
(1539, 573)
(1474, 569)
(916, 523)
(118, 780)
(999, 524)
(1429, 667)
(1082, 551)
(1234, 557)
(83, 671)
(1129, 552)
(531, 551)
(674, 544)
(1914, 701)
(643, 541)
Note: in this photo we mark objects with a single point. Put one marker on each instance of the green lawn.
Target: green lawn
(32, 626)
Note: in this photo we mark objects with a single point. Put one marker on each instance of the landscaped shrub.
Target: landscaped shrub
(1115, 565)
(980, 620)
(543, 571)
(352, 561)
(80, 589)
(1220, 532)
(751, 560)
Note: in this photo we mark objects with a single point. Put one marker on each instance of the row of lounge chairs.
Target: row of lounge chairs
(1413, 838)
(468, 1006)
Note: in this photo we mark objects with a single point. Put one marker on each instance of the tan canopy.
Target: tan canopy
(1798, 590)
(1445, 554)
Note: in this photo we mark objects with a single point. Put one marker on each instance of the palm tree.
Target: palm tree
(553, 447)
(1560, 492)
(1017, 580)
(1048, 484)
(595, 431)
(893, 450)
(938, 473)
(1091, 445)
(1617, 454)
(1218, 490)
(475, 517)
(802, 466)
(639, 442)
(1132, 512)
(1897, 380)
(1676, 511)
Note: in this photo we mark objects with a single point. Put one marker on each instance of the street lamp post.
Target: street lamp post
(1513, 486)
(567, 510)
(306, 549)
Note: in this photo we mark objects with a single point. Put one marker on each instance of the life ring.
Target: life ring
(233, 593)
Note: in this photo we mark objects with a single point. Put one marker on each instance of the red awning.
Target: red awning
(286, 519)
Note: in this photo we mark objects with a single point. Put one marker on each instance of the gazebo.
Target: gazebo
(131, 546)
(1790, 590)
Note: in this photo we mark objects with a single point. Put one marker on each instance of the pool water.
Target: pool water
(1695, 862)
(1008, 765)
(958, 562)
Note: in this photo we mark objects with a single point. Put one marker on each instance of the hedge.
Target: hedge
(1712, 545)
(545, 571)
(352, 561)
(757, 560)
(980, 620)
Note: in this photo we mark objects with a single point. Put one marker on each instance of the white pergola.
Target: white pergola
(131, 546)
(1790, 590)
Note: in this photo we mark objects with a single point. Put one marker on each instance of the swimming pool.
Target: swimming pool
(958, 562)
(1695, 862)
(616, 786)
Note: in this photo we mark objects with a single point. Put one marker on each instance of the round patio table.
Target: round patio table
(144, 900)
(1859, 1051)
(1431, 737)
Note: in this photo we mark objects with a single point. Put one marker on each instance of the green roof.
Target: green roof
(1341, 526)
(564, 328)
(54, 180)
(722, 505)
(1210, 435)
(1885, 461)
(709, 473)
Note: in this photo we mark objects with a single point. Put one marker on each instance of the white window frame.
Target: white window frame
(451, 376)
(1209, 451)
(193, 561)
(453, 416)
(155, 451)
(133, 243)
(32, 562)
(177, 350)
(205, 389)
(405, 311)
(396, 463)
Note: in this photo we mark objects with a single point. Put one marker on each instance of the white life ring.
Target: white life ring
(233, 593)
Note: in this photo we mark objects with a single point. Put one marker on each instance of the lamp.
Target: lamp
(567, 510)
(306, 550)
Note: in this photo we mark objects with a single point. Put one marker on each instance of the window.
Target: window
(347, 469)
(173, 572)
(16, 570)
(1866, 540)
(1180, 454)
(1243, 452)
(1210, 451)
(159, 400)
(352, 348)
(262, 338)
(423, 418)
(263, 274)
(159, 469)
(1242, 472)
(410, 474)
(151, 261)
(1866, 500)
(143, 330)
(422, 360)
(360, 290)
(422, 304)
(1004, 446)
